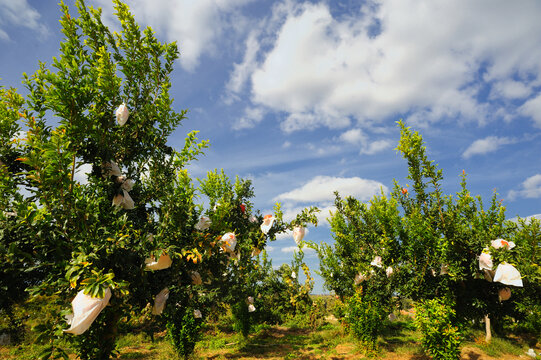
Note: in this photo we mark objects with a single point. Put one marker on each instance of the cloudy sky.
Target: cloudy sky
(302, 97)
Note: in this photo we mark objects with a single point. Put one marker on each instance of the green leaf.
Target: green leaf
(46, 353)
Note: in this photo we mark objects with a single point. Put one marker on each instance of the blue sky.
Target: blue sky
(302, 96)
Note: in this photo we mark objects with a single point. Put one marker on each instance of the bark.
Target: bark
(488, 336)
(107, 339)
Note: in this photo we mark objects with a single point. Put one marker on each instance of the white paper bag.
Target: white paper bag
(122, 113)
(501, 243)
(85, 310)
(111, 169)
(360, 277)
(268, 220)
(298, 234)
(124, 200)
(203, 224)
(444, 270)
(159, 301)
(507, 274)
(163, 262)
(376, 261)
(229, 241)
(485, 261)
(126, 184)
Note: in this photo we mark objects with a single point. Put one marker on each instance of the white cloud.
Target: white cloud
(530, 188)
(285, 235)
(376, 147)
(358, 137)
(532, 108)
(323, 149)
(486, 145)
(242, 71)
(19, 13)
(307, 120)
(511, 89)
(527, 219)
(252, 116)
(321, 190)
(196, 25)
(324, 71)
(353, 136)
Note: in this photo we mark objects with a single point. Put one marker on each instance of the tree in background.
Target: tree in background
(236, 276)
(421, 244)
(526, 311)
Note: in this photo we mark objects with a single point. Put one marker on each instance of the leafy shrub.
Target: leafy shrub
(527, 321)
(440, 338)
(316, 315)
(13, 324)
(242, 318)
(183, 330)
(365, 317)
(338, 309)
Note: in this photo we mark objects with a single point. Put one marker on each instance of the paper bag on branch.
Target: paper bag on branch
(159, 301)
(298, 234)
(268, 220)
(507, 274)
(485, 261)
(163, 262)
(85, 310)
(203, 224)
(504, 294)
(229, 241)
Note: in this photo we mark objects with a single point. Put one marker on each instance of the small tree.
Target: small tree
(421, 244)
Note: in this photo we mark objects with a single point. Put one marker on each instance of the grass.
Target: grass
(498, 346)
(400, 337)
(399, 341)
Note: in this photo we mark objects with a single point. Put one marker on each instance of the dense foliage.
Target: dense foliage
(421, 244)
(440, 339)
(97, 206)
(364, 318)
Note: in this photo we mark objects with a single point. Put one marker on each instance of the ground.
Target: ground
(400, 342)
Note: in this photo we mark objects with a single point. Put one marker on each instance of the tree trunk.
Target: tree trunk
(488, 337)
(107, 339)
